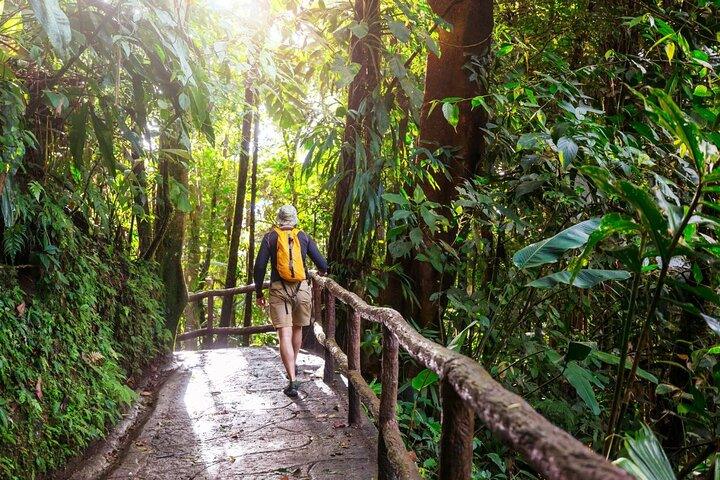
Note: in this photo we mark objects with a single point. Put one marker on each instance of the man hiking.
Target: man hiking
(286, 247)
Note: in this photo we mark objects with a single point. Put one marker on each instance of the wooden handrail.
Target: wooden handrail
(466, 389)
(550, 450)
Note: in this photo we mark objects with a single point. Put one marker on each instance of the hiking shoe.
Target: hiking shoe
(291, 390)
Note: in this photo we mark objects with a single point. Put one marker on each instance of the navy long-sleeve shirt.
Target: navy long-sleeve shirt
(268, 252)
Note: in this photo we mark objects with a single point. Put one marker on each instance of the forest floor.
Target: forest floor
(222, 414)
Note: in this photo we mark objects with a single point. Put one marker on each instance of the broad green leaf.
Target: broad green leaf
(568, 150)
(359, 29)
(701, 91)
(611, 359)
(577, 351)
(395, 198)
(55, 23)
(647, 459)
(58, 101)
(676, 122)
(610, 224)
(78, 135)
(451, 112)
(104, 136)
(424, 379)
(585, 278)
(650, 214)
(504, 50)
(580, 379)
(399, 31)
(550, 249)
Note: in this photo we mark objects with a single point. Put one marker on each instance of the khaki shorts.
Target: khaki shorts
(288, 308)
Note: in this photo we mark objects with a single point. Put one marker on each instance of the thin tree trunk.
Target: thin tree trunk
(227, 310)
(251, 227)
(144, 228)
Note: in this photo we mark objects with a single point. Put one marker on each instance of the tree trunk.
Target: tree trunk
(144, 228)
(170, 232)
(247, 321)
(458, 72)
(227, 310)
(358, 128)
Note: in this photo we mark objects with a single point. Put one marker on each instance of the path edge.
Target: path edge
(101, 457)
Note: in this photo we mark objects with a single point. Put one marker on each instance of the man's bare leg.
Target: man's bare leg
(287, 352)
(296, 340)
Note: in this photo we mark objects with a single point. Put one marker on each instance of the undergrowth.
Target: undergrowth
(70, 339)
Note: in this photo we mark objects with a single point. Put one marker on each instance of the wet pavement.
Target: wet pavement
(223, 415)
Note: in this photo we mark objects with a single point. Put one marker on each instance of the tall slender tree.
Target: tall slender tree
(227, 310)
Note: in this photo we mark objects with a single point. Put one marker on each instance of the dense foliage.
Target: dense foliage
(544, 199)
(69, 342)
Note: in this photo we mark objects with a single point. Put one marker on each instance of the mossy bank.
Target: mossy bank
(70, 339)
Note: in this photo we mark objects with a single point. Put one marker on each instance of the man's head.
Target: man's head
(287, 217)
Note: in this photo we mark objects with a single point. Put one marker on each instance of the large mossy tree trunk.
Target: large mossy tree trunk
(170, 229)
(458, 72)
(358, 129)
(227, 311)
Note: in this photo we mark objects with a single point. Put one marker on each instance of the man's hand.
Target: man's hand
(261, 302)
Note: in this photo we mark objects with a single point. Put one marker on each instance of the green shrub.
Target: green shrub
(68, 345)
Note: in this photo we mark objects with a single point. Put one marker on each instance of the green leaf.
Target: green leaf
(568, 150)
(451, 112)
(611, 359)
(701, 91)
(675, 121)
(650, 214)
(550, 249)
(577, 351)
(78, 135)
(395, 198)
(104, 136)
(58, 101)
(424, 379)
(55, 23)
(610, 224)
(580, 379)
(647, 459)
(359, 29)
(399, 31)
(504, 50)
(585, 278)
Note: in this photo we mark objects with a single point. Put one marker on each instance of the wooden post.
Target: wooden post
(353, 355)
(247, 318)
(388, 402)
(456, 442)
(329, 327)
(210, 315)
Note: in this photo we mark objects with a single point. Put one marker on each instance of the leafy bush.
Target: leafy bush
(67, 351)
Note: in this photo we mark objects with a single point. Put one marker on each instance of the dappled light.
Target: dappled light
(359, 239)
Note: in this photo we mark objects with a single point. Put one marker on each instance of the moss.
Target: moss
(67, 351)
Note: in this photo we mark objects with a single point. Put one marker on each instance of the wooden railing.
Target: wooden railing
(467, 391)
(210, 329)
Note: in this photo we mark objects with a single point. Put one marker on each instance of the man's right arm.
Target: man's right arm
(260, 267)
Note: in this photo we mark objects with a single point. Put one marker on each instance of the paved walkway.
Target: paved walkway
(223, 416)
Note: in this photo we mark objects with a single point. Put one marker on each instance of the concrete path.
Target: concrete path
(223, 415)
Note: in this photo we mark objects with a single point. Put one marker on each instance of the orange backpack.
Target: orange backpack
(290, 264)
